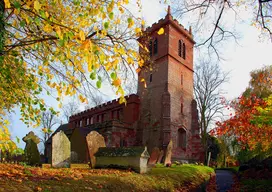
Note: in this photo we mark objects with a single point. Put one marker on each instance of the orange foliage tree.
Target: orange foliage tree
(252, 122)
(243, 126)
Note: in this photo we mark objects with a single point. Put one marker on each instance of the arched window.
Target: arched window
(181, 108)
(150, 78)
(181, 49)
(150, 48)
(182, 138)
(155, 46)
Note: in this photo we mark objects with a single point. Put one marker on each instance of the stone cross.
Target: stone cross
(61, 150)
(94, 141)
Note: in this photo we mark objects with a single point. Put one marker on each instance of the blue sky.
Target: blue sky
(250, 54)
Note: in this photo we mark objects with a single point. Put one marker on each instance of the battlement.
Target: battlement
(133, 98)
(169, 20)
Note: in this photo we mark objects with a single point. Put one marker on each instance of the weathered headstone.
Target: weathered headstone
(61, 150)
(94, 141)
(168, 153)
(32, 155)
(74, 157)
(154, 156)
(160, 156)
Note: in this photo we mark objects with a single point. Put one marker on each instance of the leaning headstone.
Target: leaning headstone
(94, 141)
(154, 156)
(160, 156)
(61, 150)
(168, 154)
(32, 155)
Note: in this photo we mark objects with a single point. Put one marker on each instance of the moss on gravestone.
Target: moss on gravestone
(32, 155)
(121, 152)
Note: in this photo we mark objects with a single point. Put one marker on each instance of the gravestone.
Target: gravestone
(61, 150)
(32, 155)
(74, 157)
(154, 156)
(94, 141)
(160, 156)
(134, 158)
(168, 153)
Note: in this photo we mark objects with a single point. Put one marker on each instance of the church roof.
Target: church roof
(65, 128)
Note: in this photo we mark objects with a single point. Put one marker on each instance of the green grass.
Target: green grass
(73, 180)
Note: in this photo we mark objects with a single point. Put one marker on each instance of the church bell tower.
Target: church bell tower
(165, 87)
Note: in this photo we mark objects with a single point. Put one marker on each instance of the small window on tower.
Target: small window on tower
(150, 48)
(180, 47)
(183, 51)
(150, 78)
(181, 79)
(181, 108)
(155, 46)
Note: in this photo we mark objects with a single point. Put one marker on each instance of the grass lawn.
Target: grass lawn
(20, 178)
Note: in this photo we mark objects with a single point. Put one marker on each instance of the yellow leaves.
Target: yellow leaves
(122, 100)
(116, 82)
(58, 31)
(161, 31)
(121, 10)
(7, 4)
(144, 82)
(81, 35)
(37, 5)
(82, 99)
(130, 60)
(138, 30)
(48, 29)
(71, 50)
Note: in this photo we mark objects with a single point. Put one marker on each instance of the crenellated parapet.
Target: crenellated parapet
(173, 22)
(106, 110)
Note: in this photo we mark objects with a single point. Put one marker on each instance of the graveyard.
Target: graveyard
(24, 178)
(135, 95)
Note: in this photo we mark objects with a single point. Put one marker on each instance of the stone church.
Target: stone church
(163, 108)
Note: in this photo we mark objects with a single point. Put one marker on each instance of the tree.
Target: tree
(70, 109)
(211, 19)
(61, 47)
(260, 83)
(48, 121)
(243, 125)
(208, 80)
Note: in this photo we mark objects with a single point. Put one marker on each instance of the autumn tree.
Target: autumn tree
(215, 22)
(251, 123)
(59, 48)
(208, 79)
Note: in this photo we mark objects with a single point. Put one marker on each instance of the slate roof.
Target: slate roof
(65, 128)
